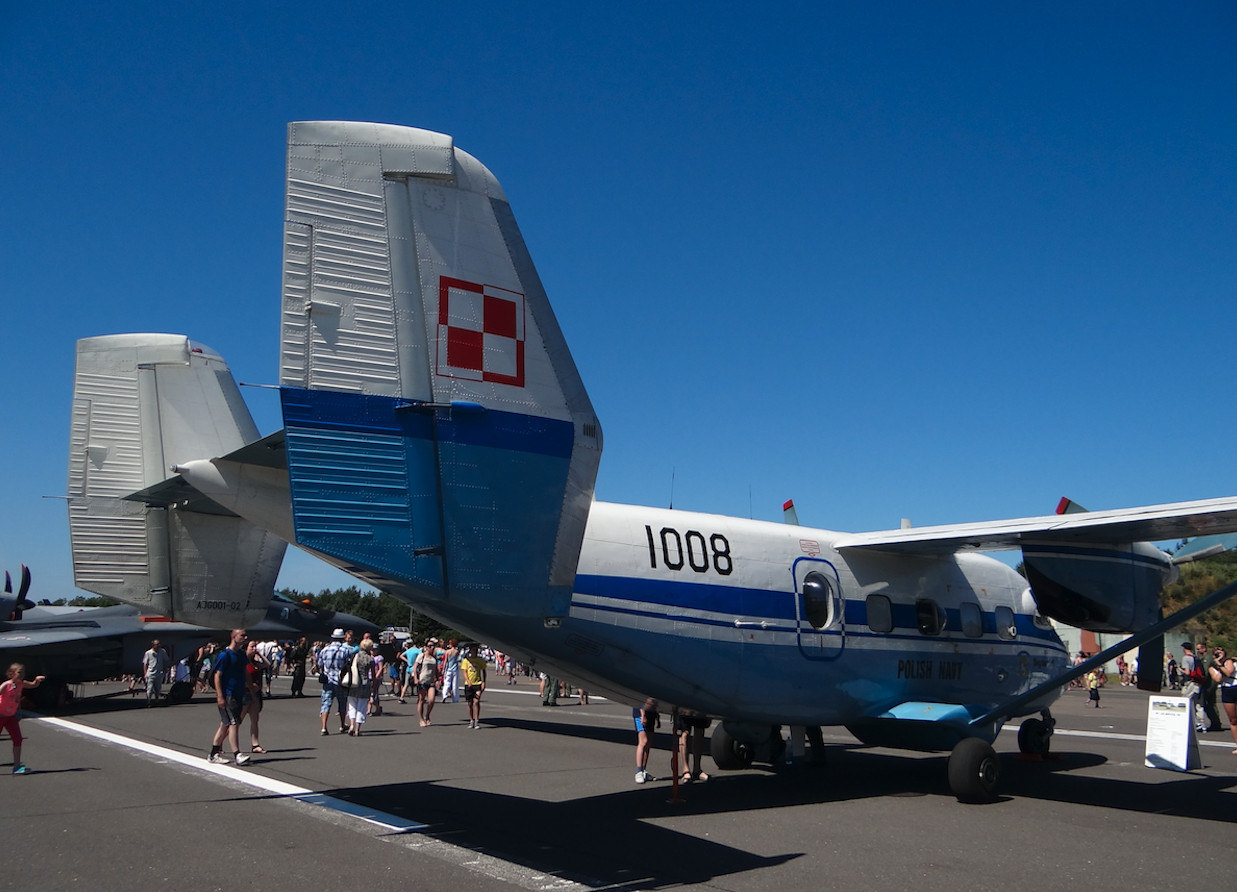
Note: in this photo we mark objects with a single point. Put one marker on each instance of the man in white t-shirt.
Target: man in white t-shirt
(154, 666)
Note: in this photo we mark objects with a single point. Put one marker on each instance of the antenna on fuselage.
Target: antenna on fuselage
(671, 487)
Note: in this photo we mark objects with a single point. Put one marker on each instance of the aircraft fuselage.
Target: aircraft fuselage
(767, 623)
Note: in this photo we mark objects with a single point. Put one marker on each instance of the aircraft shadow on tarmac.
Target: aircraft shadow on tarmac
(607, 839)
(583, 732)
(1191, 795)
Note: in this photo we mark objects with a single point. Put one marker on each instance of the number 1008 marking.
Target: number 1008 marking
(691, 550)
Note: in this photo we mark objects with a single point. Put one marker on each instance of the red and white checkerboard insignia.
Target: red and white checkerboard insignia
(480, 332)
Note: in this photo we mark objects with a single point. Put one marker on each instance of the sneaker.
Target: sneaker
(21, 769)
(219, 759)
(242, 759)
(326, 733)
(641, 776)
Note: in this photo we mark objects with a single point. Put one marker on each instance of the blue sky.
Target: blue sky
(939, 261)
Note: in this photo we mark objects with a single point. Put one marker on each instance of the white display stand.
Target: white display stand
(1171, 740)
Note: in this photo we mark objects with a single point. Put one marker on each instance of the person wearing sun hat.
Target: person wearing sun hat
(331, 662)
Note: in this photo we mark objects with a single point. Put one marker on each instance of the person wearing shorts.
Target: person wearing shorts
(231, 677)
(646, 719)
(1224, 673)
(474, 685)
(333, 660)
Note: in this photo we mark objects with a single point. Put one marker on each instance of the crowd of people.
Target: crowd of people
(352, 676)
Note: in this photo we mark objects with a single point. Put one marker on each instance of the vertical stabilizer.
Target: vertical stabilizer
(142, 403)
(437, 429)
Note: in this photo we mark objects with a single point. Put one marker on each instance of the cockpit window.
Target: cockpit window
(880, 613)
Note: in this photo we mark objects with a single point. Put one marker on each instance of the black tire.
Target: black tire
(974, 771)
(180, 692)
(1034, 737)
(728, 754)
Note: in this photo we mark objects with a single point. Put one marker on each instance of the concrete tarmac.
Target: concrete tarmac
(542, 798)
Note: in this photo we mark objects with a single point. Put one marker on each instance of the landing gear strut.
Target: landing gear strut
(974, 771)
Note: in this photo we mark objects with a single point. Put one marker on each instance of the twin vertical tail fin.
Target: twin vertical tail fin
(141, 404)
(440, 442)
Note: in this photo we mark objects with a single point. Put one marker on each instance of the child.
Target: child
(10, 700)
(646, 721)
(1093, 687)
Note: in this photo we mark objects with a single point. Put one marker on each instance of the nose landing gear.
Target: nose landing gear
(1035, 735)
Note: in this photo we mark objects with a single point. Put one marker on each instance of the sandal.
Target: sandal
(258, 749)
(700, 777)
(686, 778)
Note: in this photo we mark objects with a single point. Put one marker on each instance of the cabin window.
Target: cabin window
(929, 617)
(972, 619)
(1005, 626)
(818, 600)
(880, 614)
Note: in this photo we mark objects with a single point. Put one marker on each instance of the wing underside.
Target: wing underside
(1154, 523)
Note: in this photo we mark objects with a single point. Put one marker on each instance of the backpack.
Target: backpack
(346, 676)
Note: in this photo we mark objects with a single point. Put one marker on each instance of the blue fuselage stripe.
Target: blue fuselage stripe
(737, 603)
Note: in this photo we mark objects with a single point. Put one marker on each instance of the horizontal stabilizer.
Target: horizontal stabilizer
(141, 404)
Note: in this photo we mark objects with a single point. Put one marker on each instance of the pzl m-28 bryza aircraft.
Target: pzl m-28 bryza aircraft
(439, 444)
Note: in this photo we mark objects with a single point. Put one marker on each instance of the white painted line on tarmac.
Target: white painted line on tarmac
(1112, 735)
(390, 823)
(405, 830)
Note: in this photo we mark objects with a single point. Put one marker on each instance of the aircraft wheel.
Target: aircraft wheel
(974, 771)
(1034, 737)
(180, 692)
(728, 753)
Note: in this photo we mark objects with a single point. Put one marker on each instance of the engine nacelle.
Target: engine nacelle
(1101, 588)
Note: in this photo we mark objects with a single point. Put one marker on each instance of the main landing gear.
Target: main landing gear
(974, 771)
(730, 754)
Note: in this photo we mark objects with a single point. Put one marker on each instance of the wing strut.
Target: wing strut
(1010, 708)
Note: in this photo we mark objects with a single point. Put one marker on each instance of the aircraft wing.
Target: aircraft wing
(1154, 523)
(79, 631)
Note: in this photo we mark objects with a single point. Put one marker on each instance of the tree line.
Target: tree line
(1199, 579)
(379, 608)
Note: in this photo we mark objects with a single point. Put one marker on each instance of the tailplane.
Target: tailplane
(141, 404)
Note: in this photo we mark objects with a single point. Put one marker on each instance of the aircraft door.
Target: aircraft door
(820, 609)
